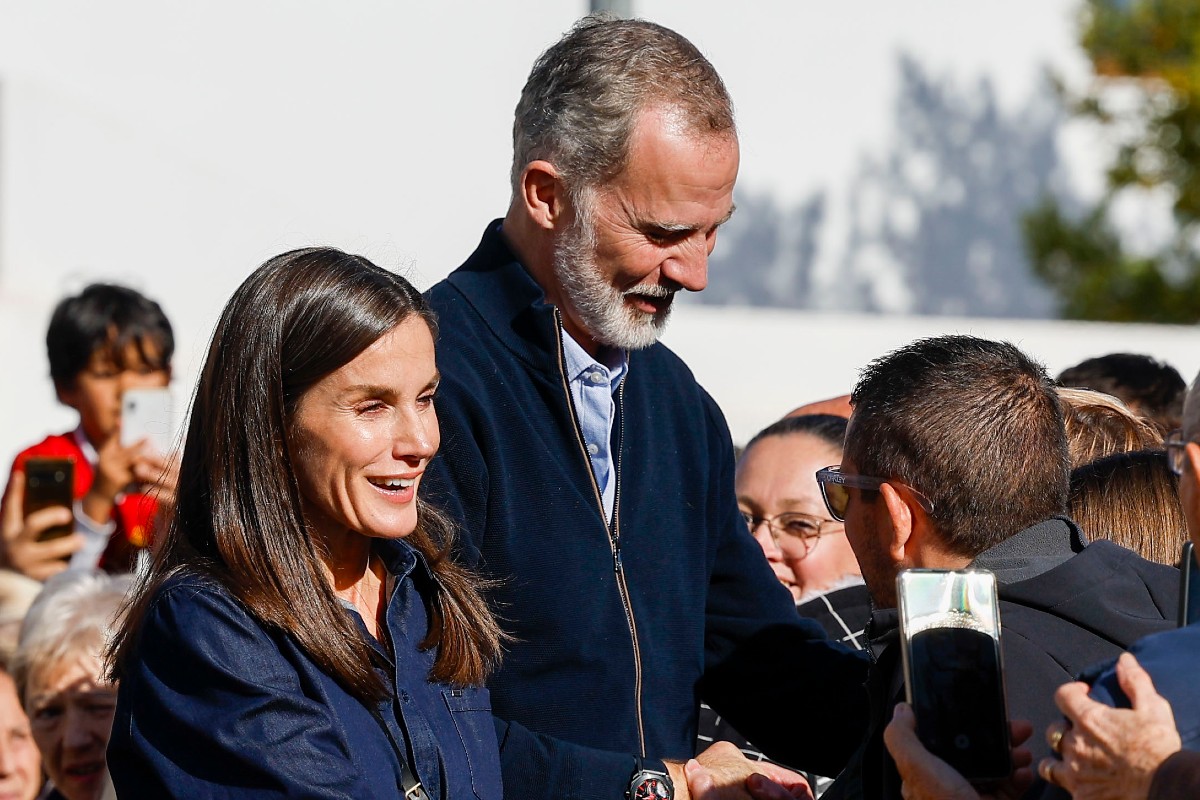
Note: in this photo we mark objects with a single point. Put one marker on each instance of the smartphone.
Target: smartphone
(1189, 586)
(50, 482)
(146, 414)
(953, 669)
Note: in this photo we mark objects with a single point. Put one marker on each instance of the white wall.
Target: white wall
(176, 146)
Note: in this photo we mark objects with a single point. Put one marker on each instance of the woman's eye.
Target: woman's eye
(47, 714)
(370, 407)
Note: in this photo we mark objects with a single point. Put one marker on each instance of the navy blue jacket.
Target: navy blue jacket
(619, 631)
(218, 706)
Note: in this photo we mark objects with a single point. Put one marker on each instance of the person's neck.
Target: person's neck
(534, 248)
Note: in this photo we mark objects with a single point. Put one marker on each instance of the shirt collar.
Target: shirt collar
(578, 361)
(89, 450)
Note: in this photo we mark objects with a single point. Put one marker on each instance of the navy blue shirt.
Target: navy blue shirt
(217, 705)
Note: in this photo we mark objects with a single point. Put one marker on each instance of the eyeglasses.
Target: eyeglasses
(795, 526)
(834, 484)
(1176, 445)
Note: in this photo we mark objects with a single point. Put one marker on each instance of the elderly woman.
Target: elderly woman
(302, 631)
(58, 669)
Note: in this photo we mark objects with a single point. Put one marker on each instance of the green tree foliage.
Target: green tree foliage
(1146, 56)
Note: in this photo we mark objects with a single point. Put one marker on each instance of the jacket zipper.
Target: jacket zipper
(614, 528)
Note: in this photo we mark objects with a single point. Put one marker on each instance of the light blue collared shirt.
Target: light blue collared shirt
(593, 387)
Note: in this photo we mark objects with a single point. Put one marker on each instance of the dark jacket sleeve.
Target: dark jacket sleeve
(209, 680)
(766, 668)
(1178, 776)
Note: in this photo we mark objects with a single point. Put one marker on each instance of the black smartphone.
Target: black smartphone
(953, 669)
(50, 482)
(1189, 586)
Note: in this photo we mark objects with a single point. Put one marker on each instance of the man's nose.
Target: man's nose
(688, 265)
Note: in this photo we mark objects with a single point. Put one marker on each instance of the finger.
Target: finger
(900, 736)
(1021, 757)
(42, 520)
(1019, 731)
(781, 775)
(1137, 683)
(1048, 768)
(699, 780)
(58, 549)
(760, 787)
(14, 501)
(45, 569)
(1054, 736)
(1072, 700)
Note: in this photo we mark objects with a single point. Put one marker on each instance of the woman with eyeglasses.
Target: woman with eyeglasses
(778, 493)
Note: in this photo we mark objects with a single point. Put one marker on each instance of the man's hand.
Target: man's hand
(23, 552)
(1111, 752)
(722, 772)
(927, 777)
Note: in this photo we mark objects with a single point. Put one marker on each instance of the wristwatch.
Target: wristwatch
(649, 784)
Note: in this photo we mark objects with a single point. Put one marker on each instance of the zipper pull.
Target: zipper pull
(616, 557)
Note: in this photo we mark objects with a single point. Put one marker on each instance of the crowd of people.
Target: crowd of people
(495, 540)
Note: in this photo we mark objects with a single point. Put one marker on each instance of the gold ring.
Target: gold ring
(1056, 741)
(1046, 770)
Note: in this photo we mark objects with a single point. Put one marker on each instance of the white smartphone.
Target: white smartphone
(146, 414)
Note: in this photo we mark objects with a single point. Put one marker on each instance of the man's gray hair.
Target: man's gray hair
(582, 99)
(75, 614)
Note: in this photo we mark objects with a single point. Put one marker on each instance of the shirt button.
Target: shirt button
(593, 449)
(597, 378)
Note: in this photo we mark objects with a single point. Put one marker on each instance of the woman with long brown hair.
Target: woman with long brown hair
(303, 630)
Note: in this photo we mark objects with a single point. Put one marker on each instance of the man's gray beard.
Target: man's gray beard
(598, 305)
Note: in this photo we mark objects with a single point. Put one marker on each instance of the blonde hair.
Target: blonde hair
(1100, 425)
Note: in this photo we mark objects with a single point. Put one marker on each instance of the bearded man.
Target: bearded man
(592, 476)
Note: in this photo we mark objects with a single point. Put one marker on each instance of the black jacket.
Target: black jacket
(1063, 607)
(621, 630)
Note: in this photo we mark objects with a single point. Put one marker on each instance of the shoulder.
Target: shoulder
(59, 444)
(197, 612)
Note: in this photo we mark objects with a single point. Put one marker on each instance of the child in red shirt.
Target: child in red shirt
(101, 343)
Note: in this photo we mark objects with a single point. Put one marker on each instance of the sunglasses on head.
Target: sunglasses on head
(835, 490)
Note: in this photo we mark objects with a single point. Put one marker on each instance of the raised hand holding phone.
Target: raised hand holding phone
(22, 537)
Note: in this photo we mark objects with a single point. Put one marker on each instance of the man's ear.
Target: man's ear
(911, 525)
(543, 194)
(901, 522)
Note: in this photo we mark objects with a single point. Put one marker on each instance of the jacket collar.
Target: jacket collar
(1033, 551)
(510, 302)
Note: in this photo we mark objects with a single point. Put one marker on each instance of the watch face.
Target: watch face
(651, 788)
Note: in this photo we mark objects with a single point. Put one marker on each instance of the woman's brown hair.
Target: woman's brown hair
(1131, 499)
(238, 515)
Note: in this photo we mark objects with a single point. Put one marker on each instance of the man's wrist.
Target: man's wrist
(675, 769)
(652, 779)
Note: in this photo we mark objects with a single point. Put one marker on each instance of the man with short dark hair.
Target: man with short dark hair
(1151, 388)
(592, 476)
(956, 457)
